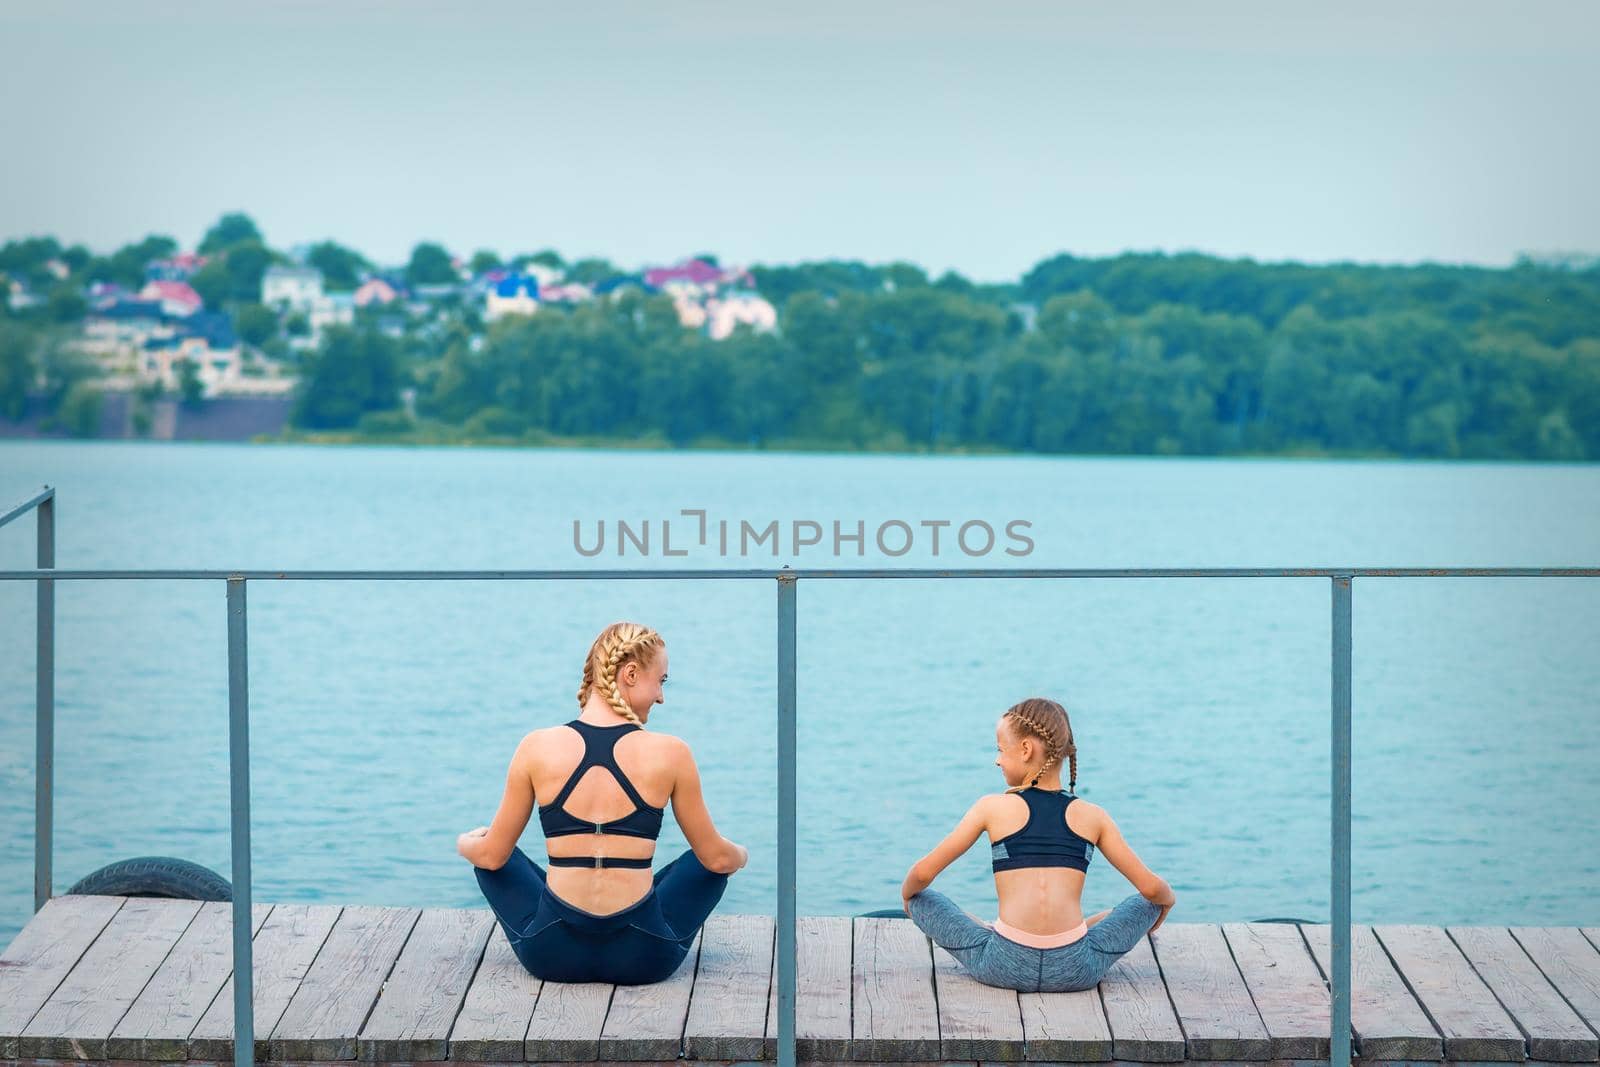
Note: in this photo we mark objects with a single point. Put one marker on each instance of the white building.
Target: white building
(515, 294)
(222, 371)
(691, 315)
(291, 288)
(162, 359)
(18, 295)
(116, 335)
(331, 309)
(543, 273)
(335, 309)
(738, 308)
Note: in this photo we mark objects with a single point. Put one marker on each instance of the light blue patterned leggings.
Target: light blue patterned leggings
(998, 961)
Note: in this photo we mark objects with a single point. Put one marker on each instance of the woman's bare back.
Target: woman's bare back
(649, 759)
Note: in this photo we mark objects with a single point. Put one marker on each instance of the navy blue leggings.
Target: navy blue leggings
(644, 942)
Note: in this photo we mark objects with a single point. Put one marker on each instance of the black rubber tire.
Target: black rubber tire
(155, 876)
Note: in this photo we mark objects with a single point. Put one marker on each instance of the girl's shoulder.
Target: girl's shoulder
(1000, 803)
(1086, 805)
(1086, 818)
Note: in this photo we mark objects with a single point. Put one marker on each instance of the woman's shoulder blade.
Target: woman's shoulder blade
(670, 745)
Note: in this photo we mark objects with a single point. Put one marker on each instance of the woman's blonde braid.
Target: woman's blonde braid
(588, 683)
(616, 644)
(608, 675)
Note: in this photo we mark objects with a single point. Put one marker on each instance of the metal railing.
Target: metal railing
(787, 580)
(44, 695)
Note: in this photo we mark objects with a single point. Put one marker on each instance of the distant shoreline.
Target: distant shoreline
(647, 443)
(444, 436)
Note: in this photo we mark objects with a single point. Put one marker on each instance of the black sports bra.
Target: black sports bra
(643, 821)
(1045, 840)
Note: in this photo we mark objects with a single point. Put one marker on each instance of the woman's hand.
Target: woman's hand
(1162, 917)
(909, 888)
(466, 840)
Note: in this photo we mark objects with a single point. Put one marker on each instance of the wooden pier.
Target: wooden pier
(100, 978)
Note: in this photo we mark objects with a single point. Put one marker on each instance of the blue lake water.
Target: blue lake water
(383, 714)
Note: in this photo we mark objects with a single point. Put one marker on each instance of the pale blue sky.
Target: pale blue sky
(954, 135)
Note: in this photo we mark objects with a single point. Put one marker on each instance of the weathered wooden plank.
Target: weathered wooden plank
(1554, 1031)
(336, 994)
(976, 1021)
(158, 1025)
(1570, 962)
(283, 950)
(1286, 986)
(894, 1015)
(80, 1015)
(1474, 1025)
(646, 1022)
(822, 990)
(1219, 1020)
(493, 1023)
(1388, 1022)
(728, 1007)
(1143, 1025)
(1064, 1027)
(427, 987)
(769, 1043)
(42, 954)
(567, 1021)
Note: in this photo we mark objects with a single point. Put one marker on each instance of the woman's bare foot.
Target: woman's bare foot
(1091, 920)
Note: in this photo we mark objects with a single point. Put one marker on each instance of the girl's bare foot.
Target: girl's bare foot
(1091, 920)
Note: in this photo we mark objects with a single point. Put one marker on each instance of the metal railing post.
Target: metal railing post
(44, 710)
(1339, 931)
(786, 819)
(244, 1040)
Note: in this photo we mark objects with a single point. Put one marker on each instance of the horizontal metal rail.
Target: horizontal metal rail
(788, 579)
(646, 575)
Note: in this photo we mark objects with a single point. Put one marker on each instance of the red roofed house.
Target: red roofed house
(177, 298)
(696, 272)
(375, 291)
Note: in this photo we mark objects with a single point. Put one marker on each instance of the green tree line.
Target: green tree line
(1137, 353)
(1142, 354)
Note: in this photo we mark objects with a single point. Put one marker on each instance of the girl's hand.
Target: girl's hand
(1161, 918)
(910, 888)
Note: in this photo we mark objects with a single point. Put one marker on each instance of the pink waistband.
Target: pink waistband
(1022, 937)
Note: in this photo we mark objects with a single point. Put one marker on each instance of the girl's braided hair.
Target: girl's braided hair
(1047, 721)
(619, 644)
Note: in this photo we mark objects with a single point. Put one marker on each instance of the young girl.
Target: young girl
(1041, 839)
(599, 915)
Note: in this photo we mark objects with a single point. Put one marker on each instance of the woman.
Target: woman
(599, 915)
(1041, 839)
